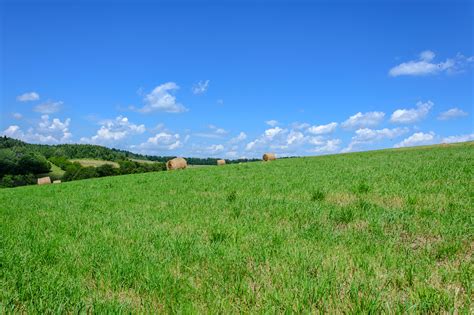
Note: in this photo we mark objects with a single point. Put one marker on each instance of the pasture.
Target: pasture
(389, 230)
(94, 163)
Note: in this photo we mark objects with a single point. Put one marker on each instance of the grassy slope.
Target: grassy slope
(94, 163)
(387, 230)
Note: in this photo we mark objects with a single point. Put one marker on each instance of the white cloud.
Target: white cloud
(317, 141)
(28, 97)
(408, 116)
(329, 146)
(47, 131)
(17, 116)
(371, 135)
(461, 138)
(239, 138)
(220, 102)
(363, 120)
(294, 137)
(161, 141)
(272, 122)
(115, 130)
(162, 99)
(366, 136)
(418, 138)
(294, 141)
(424, 65)
(215, 148)
(323, 129)
(452, 113)
(268, 139)
(277, 139)
(200, 87)
(13, 131)
(48, 107)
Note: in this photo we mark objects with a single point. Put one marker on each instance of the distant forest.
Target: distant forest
(21, 163)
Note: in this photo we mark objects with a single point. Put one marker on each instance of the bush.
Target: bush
(106, 170)
(17, 180)
(33, 163)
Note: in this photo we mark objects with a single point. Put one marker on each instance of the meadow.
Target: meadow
(94, 162)
(389, 230)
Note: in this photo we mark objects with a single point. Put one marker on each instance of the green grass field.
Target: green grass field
(366, 232)
(94, 163)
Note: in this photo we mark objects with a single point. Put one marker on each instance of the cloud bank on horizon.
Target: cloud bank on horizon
(286, 139)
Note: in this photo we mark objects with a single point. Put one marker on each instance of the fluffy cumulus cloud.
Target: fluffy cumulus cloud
(200, 87)
(47, 131)
(17, 116)
(418, 138)
(412, 115)
(323, 129)
(267, 138)
(363, 120)
(291, 141)
(452, 114)
(160, 142)
(114, 130)
(48, 107)
(461, 138)
(367, 136)
(162, 99)
(425, 65)
(28, 97)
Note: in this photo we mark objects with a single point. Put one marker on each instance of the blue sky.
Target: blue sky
(237, 78)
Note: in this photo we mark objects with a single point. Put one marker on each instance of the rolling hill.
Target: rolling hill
(388, 230)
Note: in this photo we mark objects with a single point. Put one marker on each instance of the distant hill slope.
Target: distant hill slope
(387, 231)
(88, 151)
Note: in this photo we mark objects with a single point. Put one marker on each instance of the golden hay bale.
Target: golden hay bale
(57, 181)
(44, 180)
(269, 157)
(176, 163)
(220, 162)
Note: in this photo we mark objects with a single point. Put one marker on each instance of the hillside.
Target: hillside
(388, 230)
(89, 151)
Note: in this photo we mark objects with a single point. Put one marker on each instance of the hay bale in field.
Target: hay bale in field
(57, 181)
(220, 162)
(44, 180)
(269, 157)
(176, 163)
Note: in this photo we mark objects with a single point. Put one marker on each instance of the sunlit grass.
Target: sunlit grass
(94, 163)
(377, 231)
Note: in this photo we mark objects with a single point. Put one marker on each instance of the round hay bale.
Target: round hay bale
(57, 181)
(176, 163)
(269, 157)
(220, 162)
(44, 180)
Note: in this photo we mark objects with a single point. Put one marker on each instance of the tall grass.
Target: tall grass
(385, 231)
